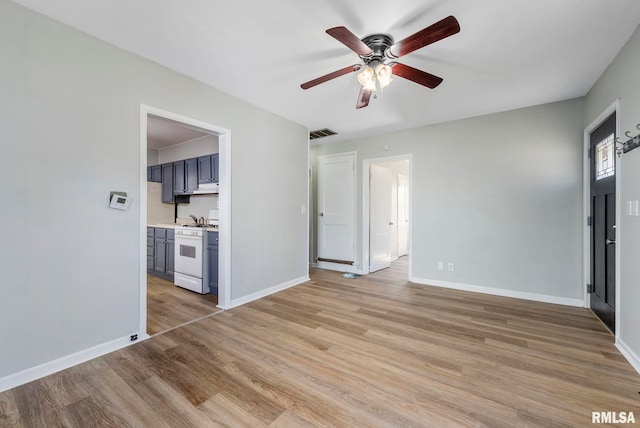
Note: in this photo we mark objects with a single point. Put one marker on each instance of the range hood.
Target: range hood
(206, 188)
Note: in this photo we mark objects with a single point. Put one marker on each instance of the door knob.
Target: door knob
(609, 241)
(321, 214)
(390, 223)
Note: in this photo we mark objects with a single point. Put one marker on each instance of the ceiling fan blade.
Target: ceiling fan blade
(363, 98)
(327, 77)
(438, 31)
(350, 40)
(418, 76)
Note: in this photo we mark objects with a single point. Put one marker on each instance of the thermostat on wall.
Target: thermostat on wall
(119, 201)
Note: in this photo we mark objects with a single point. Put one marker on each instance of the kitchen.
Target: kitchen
(182, 223)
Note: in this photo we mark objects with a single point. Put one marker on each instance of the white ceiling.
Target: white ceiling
(163, 133)
(508, 54)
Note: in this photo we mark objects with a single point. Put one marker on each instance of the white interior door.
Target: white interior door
(336, 209)
(379, 217)
(403, 215)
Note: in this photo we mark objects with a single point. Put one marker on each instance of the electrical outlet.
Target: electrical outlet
(450, 267)
(303, 209)
(440, 265)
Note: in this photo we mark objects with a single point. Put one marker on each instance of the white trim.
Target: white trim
(500, 292)
(366, 163)
(224, 243)
(266, 292)
(615, 107)
(65, 362)
(309, 203)
(224, 143)
(626, 352)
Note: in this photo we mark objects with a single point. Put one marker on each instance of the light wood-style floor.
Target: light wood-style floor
(374, 351)
(169, 306)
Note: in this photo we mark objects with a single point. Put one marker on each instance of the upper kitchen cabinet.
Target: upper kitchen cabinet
(167, 183)
(185, 179)
(208, 169)
(156, 173)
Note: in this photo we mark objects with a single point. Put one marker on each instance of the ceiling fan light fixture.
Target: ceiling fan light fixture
(383, 74)
(367, 78)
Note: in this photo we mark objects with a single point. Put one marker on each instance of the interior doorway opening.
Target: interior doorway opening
(387, 214)
(158, 128)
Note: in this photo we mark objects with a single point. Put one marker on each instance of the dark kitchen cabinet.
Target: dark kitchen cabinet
(208, 169)
(167, 183)
(150, 249)
(154, 173)
(212, 258)
(163, 249)
(185, 179)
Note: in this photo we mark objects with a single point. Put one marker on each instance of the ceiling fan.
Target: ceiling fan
(376, 49)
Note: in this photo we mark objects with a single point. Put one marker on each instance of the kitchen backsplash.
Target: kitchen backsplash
(199, 206)
(157, 212)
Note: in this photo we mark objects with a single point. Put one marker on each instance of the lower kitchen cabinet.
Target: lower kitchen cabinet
(162, 261)
(212, 258)
(151, 245)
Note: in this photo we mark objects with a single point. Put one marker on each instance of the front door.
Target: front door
(603, 216)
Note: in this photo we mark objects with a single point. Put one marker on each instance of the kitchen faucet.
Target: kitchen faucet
(194, 218)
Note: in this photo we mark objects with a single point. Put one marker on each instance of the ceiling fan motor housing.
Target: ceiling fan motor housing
(379, 44)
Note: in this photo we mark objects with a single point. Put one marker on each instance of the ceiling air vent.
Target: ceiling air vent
(326, 132)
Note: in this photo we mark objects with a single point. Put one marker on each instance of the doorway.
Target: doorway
(602, 201)
(148, 114)
(386, 214)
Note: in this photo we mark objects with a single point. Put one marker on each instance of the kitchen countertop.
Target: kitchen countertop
(165, 225)
(175, 225)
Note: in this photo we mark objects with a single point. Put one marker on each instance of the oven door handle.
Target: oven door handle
(187, 237)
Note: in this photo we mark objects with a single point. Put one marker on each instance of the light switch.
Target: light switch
(634, 208)
(629, 208)
(303, 209)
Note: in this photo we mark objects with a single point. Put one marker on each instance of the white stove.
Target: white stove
(190, 272)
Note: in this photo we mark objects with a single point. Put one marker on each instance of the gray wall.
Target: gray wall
(620, 80)
(69, 113)
(500, 196)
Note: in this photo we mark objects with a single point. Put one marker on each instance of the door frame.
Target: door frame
(586, 252)
(224, 140)
(365, 207)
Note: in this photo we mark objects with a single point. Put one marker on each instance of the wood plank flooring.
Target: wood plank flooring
(375, 351)
(169, 306)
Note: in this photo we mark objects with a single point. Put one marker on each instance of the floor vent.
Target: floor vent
(326, 132)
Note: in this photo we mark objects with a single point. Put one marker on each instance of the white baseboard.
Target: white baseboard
(339, 267)
(264, 293)
(501, 292)
(65, 362)
(626, 352)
